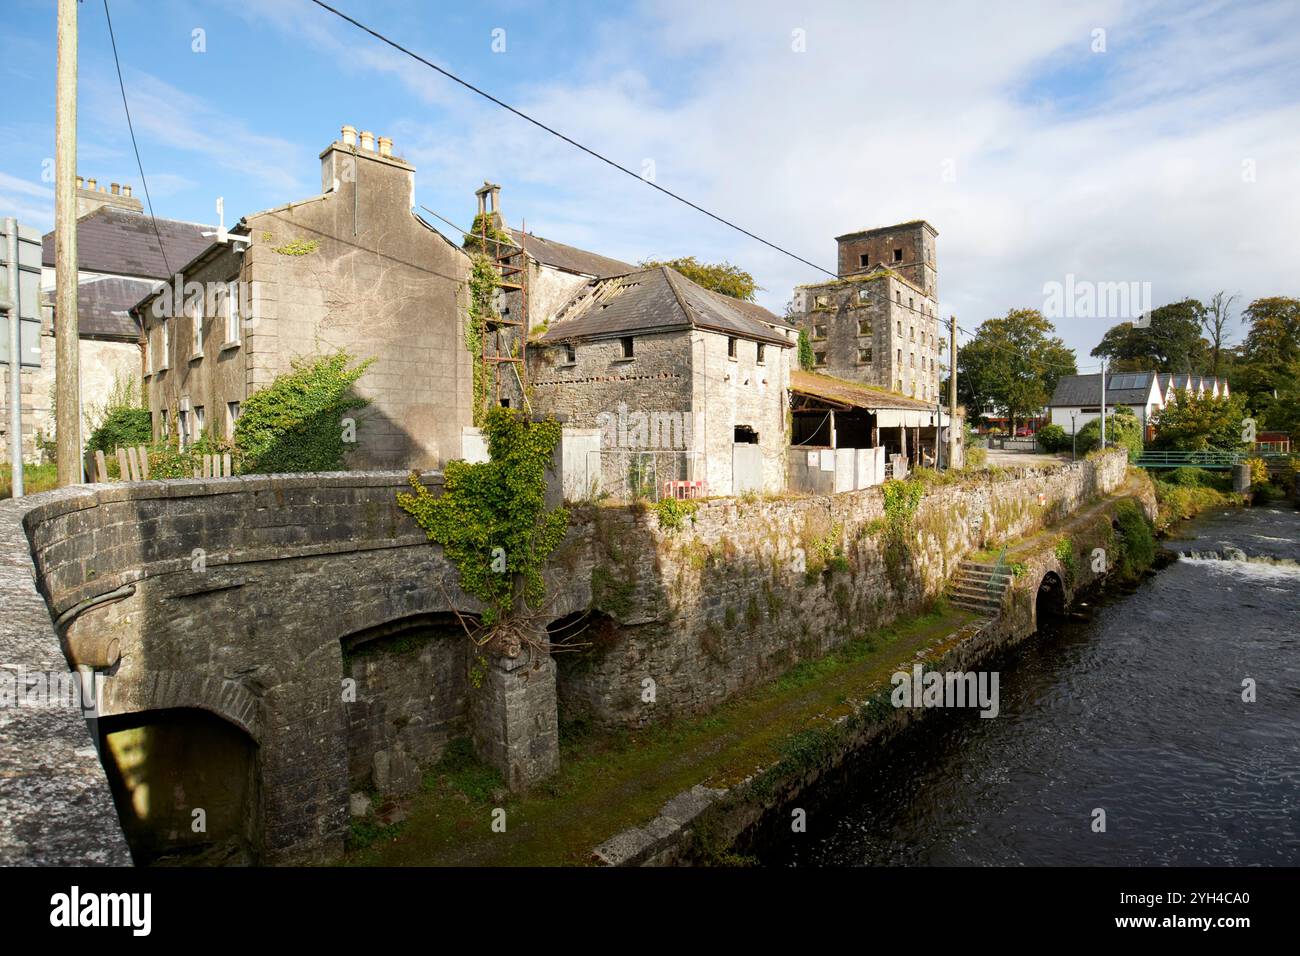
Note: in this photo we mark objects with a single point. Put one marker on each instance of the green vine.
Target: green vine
(491, 518)
(484, 281)
(673, 512)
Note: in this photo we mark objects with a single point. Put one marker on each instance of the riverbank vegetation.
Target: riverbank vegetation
(1186, 492)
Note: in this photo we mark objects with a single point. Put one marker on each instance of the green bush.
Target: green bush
(122, 427)
(1189, 477)
(1137, 544)
(1053, 438)
(296, 422)
(1122, 428)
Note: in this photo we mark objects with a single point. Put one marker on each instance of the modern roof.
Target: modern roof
(569, 258)
(840, 391)
(1122, 388)
(1184, 382)
(658, 299)
(121, 242)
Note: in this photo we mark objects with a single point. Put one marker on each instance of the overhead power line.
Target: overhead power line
(139, 165)
(572, 142)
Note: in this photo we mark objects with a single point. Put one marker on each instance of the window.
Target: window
(900, 356)
(819, 358)
(911, 333)
(232, 313)
(232, 416)
(822, 302)
(864, 356)
(148, 353)
(900, 328)
(199, 419)
(627, 347)
(912, 360)
(196, 328)
(571, 354)
(744, 435)
(184, 421)
(731, 346)
(864, 326)
(166, 345)
(863, 260)
(760, 353)
(864, 296)
(911, 303)
(819, 330)
(899, 387)
(164, 433)
(898, 255)
(505, 403)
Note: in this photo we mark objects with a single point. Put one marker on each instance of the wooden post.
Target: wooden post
(101, 467)
(123, 467)
(132, 459)
(227, 471)
(144, 462)
(67, 378)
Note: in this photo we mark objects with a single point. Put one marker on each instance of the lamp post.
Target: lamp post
(1074, 440)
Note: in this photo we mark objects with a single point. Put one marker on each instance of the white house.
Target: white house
(1077, 399)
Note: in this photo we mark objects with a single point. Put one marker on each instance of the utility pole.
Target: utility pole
(1103, 404)
(952, 390)
(67, 377)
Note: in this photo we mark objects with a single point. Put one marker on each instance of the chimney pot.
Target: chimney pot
(385, 146)
(349, 136)
(116, 189)
(368, 141)
(90, 184)
(81, 183)
(126, 191)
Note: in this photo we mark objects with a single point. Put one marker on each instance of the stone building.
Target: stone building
(688, 387)
(877, 322)
(120, 258)
(350, 268)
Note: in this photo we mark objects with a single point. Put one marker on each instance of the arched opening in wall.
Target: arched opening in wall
(405, 686)
(186, 786)
(1049, 605)
(582, 640)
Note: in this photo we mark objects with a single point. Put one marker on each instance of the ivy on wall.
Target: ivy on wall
(491, 518)
(902, 498)
(483, 284)
(296, 422)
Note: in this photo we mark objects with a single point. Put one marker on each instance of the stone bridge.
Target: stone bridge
(265, 646)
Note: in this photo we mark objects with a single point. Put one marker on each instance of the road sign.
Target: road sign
(29, 296)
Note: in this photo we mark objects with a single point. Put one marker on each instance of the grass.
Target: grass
(35, 478)
(610, 781)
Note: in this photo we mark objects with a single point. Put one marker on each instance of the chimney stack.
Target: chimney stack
(349, 136)
(368, 141)
(90, 184)
(126, 191)
(81, 183)
(385, 146)
(116, 189)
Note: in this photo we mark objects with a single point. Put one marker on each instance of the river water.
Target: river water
(1138, 712)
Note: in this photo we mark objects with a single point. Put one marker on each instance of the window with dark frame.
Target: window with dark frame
(627, 346)
(731, 346)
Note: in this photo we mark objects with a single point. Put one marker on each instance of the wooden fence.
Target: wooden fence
(133, 465)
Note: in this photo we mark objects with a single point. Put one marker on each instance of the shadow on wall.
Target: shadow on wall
(185, 785)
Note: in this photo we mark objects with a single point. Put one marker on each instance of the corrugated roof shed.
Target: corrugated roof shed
(122, 242)
(658, 299)
(841, 391)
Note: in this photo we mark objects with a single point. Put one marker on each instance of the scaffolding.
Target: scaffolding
(499, 331)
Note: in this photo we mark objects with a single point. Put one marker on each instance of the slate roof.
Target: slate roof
(569, 258)
(1122, 388)
(841, 391)
(102, 306)
(121, 242)
(1181, 382)
(657, 299)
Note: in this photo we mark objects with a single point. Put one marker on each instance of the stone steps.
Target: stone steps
(979, 586)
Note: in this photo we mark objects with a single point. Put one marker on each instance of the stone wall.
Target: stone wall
(745, 591)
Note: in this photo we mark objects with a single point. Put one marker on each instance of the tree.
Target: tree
(1014, 363)
(1214, 320)
(1122, 429)
(718, 276)
(1199, 423)
(1170, 343)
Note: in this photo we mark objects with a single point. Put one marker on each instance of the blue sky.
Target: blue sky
(1171, 155)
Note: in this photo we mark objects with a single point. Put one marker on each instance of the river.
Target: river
(1137, 711)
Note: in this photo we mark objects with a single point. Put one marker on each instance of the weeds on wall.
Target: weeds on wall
(902, 498)
(492, 520)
